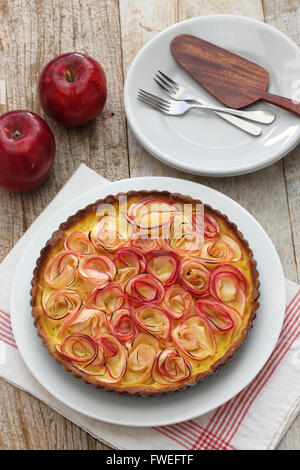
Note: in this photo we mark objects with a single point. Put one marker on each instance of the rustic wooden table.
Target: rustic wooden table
(112, 31)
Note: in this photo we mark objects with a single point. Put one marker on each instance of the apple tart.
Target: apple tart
(145, 292)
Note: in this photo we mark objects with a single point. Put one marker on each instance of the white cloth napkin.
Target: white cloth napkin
(257, 418)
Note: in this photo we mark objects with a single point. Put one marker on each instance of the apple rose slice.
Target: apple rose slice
(222, 250)
(150, 213)
(163, 265)
(97, 269)
(96, 367)
(142, 354)
(216, 313)
(78, 348)
(194, 276)
(206, 225)
(224, 320)
(108, 234)
(195, 338)
(181, 237)
(229, 285)
(122, 325)
(61, 303)
(145, 288)
(129, 263)
(177, 301)
(154, 320)
(62, 270)
(108, 298)
(79, 243)
(170, 367)
(115, 356)
(88, 321)
(144, 242)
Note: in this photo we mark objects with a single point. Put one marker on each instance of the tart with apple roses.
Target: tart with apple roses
(145, 292)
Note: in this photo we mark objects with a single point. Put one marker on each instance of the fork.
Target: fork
(178, 108)
(178, 92)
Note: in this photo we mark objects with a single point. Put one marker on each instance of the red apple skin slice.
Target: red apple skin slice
(144, 288)
(97, 269)
(117, 319)
(210, 230)
(104, 238)
(165, 256)
(62, 270)
(79, 243)
(140, 215)
(195, 334)
(80, 339)
(185, 299)
(173, 239)
(129, 263)
(115, 366)
(162, 331)
(142, 354)
(88, 321)
(99, 298)
(221, 317)
(163, 373)
(69, 296)
(194, 269)
(236, 293)
(144, 244)
(223, 250)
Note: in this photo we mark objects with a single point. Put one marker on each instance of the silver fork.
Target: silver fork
(178, 108)
(178, 92)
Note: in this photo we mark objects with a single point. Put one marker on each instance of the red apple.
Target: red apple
(72, 89)
(27, 150)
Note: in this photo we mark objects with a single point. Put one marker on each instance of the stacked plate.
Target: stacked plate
(200, 142)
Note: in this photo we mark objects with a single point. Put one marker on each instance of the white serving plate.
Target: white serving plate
(200, 142)
(164, 409)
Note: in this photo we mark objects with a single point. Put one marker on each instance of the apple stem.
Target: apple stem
(16, 134)
(69, 76)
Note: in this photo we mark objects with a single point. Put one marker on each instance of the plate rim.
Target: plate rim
(165, 157)
(59, 214)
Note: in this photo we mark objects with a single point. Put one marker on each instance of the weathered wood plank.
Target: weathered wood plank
(192, 8)
(26, 423)
(286, 17)
(32, 33)
(138, 25)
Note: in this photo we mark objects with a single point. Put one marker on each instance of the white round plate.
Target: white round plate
(201, 142)
(164, 409)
